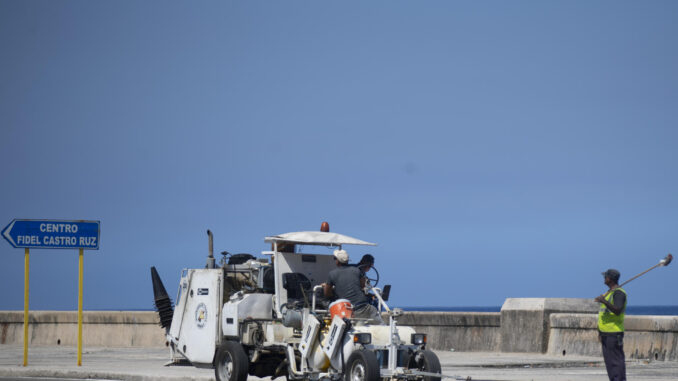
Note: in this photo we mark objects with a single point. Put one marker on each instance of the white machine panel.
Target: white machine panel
(200, 301)
(180, 301)
(333, 336)
(245, 306)
(229, 319)
(309, 334)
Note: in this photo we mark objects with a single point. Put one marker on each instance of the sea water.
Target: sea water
(630, 310)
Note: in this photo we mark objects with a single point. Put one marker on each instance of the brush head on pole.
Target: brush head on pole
(667, 260)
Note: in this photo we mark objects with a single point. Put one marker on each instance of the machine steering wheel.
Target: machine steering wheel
(372, 276)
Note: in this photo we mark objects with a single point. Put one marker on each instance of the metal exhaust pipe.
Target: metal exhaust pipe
(210, 257)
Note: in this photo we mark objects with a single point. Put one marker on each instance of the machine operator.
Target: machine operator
(348, 282)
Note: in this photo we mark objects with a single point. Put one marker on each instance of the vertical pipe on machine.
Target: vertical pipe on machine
(210, 256)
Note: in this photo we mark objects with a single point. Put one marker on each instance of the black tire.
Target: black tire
(231, 362)
(361, 366)
(426, 361)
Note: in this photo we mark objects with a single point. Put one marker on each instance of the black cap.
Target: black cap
(612, 274)
(367, 259)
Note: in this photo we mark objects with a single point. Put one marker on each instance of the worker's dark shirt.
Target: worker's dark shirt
(346, 282)
(618, 301)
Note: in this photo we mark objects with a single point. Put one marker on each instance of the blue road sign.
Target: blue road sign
(52, 234)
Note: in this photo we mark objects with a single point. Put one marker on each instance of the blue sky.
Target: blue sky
(493, 149)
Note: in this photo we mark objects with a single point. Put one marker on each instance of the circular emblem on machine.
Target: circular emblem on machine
(201, 315)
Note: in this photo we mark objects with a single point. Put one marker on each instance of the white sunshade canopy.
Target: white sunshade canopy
(317, 238)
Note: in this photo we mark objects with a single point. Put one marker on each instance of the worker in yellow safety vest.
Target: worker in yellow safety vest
(611, 326)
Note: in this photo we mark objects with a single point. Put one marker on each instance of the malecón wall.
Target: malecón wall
(554, 326)
(459, 331)
(645, 337)
(99, 329)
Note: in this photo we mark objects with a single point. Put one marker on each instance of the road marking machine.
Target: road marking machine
(268, 317)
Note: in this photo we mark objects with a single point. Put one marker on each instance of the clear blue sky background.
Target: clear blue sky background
(493, 149)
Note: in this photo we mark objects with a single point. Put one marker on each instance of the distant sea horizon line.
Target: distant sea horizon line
(630, 310)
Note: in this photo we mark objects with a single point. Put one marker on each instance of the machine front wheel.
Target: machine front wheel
(231, 362)
(426, 361)
(362, 366)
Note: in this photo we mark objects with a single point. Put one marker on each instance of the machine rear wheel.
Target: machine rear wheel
(231, 363)
(362, 366)
(426, 361)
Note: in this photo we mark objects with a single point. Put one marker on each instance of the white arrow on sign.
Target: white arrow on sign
(7, 235)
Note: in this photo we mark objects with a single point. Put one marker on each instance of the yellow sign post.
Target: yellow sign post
(80, 261)
(26, 267)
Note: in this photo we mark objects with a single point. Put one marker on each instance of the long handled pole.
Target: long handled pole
(663, 262)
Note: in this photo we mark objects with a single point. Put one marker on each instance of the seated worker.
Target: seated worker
(347, 282)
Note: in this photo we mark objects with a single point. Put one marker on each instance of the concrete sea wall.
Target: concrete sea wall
(459, 331)
(530, 325)
(645, 337)
(99, 328)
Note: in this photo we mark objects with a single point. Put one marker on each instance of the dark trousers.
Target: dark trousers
(613, 353)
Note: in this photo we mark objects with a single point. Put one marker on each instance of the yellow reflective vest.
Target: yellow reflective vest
(607, 320)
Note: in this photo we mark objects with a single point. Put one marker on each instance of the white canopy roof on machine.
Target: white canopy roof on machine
(317, 238)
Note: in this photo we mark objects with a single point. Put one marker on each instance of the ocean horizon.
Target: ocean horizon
(630, 310)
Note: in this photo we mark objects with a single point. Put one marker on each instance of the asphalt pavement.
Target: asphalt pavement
(148, 364)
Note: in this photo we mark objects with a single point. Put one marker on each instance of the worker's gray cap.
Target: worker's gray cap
(612, 274)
